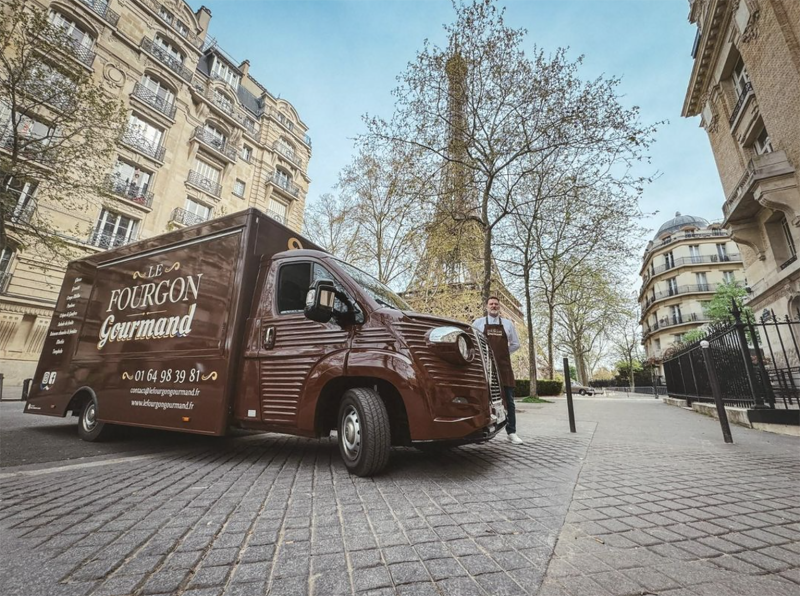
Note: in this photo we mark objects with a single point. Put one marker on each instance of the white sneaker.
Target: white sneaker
(513, 438)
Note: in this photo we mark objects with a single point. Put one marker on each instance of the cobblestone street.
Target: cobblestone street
(645, 499)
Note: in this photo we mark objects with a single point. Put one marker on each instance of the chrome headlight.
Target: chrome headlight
(453, 344)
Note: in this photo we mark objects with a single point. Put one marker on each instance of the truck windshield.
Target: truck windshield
(381, 293)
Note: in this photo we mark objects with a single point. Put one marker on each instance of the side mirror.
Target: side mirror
(319, 301)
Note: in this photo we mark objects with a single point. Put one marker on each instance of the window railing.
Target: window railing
(228, 108)
(733, 257)
(106, 240)
(276, 216)
(284, 121)
(686, 289)
(152, 99)
(167, 59)
(286, 185)
(221, 146)
(135, 140)
(208, 185)
(185, 218)
(101, 8)
(748, 89)
(288, 153)
(5, 279)
(23, 214)
(73, 47)
(130, 191)
(686, 235)
(31, 149)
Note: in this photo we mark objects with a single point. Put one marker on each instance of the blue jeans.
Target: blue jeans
(511, 426)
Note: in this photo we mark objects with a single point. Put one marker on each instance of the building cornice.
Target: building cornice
(716, 21)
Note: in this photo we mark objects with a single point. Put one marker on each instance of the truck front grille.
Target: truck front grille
(489, 367)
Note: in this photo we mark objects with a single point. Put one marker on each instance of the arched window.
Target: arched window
(163, 93)
(76, 32)
(168, 47)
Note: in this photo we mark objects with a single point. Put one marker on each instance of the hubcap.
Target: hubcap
(351, 433)
(90, 418)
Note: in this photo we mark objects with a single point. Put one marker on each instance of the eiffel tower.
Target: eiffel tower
(449, 277)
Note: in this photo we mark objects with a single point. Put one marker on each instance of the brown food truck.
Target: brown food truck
(239, 322)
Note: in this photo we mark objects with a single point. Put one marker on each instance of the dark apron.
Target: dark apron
(498, 341)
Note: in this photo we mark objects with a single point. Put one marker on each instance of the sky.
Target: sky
(337, 60)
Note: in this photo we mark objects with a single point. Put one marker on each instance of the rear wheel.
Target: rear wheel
(582, 391)
(364, 436)
(89, 427)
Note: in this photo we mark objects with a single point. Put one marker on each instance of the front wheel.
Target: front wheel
(364, 435)
(89, 427)
(582, 392)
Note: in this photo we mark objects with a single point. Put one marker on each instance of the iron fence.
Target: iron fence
(757, 363)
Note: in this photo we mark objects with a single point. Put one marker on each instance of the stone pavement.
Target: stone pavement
(654, 503)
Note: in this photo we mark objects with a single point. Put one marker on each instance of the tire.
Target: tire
(363, 432)
(89, 428)
(582, 392)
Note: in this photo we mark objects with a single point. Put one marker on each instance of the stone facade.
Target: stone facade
(745, 85)
(682, 267)
(204, 139)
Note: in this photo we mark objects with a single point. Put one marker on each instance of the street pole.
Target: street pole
(570, 409)
(715, 390)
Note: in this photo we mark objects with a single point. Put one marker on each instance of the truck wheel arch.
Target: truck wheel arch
(79, 399)
(327, 411)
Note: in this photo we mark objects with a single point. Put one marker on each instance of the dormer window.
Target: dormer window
(222, 71)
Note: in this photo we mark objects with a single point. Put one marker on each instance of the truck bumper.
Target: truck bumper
(480, 436)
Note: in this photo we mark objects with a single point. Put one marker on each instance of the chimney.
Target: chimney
(203, 15)
(244, 67)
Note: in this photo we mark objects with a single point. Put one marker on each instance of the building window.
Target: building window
(113, 229)
(669, 260)
(170, 49)
(163, 95)
(6, 257)
(201, 211)
(74, 31)
(247, 153)
(787, 234)
(238, 188)
(694, 253)
(214, 136)
(763, 144)
(722, 252)
(657, 343)
(701, 279)
(672, 286)
(277, 210)
(33, 136)
(144, 135)
(740, 77)
(223, 101)
(675, 314)
(129, 179)
(182, 28)
(728, 277)
(165, 14)
(282, 178)
(209, 173)
(25, 203)
(222, 71)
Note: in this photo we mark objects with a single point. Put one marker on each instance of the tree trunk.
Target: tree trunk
(531, 340)
(487, 264)
(550, 325)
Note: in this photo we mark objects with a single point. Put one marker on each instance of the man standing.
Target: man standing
(503, 340)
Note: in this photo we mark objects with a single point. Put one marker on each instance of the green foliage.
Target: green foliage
(535, 400)
(549, 387)
(718, 310)
(694, 335)
(523, 388)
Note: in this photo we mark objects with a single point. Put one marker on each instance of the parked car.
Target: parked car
(584, 390)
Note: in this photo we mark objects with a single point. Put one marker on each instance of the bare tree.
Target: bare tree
(330, 222)
(58, 129)
(626, 335)
(513, 113)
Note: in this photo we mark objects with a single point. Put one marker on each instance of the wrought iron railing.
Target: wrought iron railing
(284, 184)
(106, 240)
(130, 191)
(208, 185)
(748, 89)
(288, 153)
(685, 236)
(167, 59)
(284, 121)
(23, 214)
(101, 8)
(31, 149)
(185, 218)
(152, 99)
(73, 47)
(132, 138)
(276, 216)
(213, 142)
(698, 260)
(685, 289)
(227, 108)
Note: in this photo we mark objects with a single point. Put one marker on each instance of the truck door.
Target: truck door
(291, 347)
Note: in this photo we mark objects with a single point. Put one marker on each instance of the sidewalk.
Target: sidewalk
(663, 506)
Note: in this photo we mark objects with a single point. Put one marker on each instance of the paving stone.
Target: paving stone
(444, 568)
(330, 583)
(409, 572)
(371, 578)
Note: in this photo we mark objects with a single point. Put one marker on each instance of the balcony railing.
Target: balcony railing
(5, 278)
(276, 216)
(22, 214)
(143, 145)
(208, 185)
(73, 47)
(748, 89)
(686, 289)
(189, 36)
(685, 236)
(107, 241)
(286, 185)
(227, 108)
(130, 191)
(759, 168)
(154, 101)
(102, 9)
(31, 149)
(699, 260)
(288, 153)
(185, 218)
(674, 321)
(281, 118)
(167, 59)
(213, 142)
